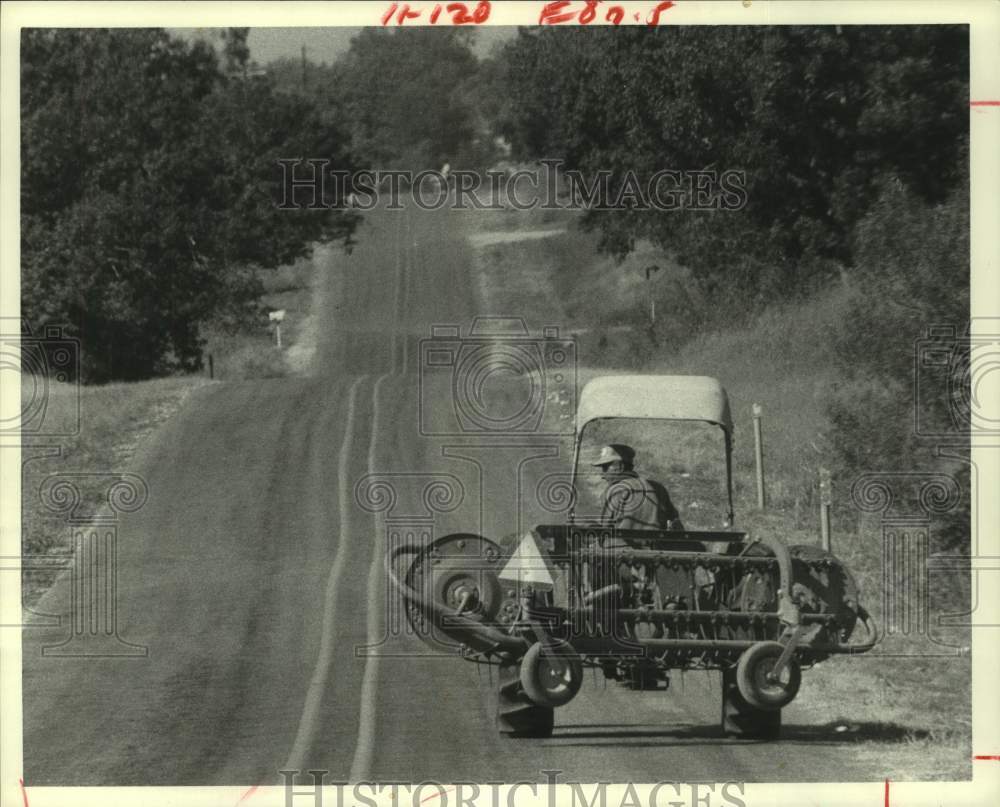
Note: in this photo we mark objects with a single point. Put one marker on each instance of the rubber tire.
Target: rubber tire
(740, 719)
(533, 672)
(747, 675)
(517, 716)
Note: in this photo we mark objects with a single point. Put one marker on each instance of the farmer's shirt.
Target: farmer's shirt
(634, 502)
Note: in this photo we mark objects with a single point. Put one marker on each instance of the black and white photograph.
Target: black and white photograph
(591, 403)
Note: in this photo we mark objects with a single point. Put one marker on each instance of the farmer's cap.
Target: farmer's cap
(615, 453)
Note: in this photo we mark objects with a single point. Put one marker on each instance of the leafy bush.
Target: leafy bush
(912, 273)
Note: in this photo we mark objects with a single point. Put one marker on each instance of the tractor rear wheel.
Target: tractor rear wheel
(740, 719)
(516, 715)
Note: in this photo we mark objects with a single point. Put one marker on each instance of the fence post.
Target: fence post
(825, 500)
(759, 455)
(211, 366)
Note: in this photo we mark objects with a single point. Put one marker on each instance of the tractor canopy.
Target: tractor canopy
(666, 397)
(672, 422)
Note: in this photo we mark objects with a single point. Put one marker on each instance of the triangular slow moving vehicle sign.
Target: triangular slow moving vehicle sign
(529, 565)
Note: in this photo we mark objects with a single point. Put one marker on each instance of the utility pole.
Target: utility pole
(825, 502)
(758, 443)
(303, 69)
(277, 317)
(650, 271)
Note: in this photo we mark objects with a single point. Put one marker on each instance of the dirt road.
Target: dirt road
(253, 578)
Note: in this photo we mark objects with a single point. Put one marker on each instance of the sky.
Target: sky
(326, 44)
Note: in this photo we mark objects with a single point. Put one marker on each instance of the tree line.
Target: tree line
(150, 177)
(821, 119)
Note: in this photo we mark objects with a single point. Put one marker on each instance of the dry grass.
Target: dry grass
(113, 420)
(910, 715)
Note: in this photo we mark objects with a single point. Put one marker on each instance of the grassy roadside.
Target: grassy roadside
(907, 705)
(110, 422)
(107, 423)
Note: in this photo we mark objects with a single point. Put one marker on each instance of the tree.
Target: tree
(150, 186)
(400, 92)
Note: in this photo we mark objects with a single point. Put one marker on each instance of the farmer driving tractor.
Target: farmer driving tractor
(632, 501)
(638, 596)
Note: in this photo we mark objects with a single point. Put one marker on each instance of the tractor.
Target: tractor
(638, 604)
